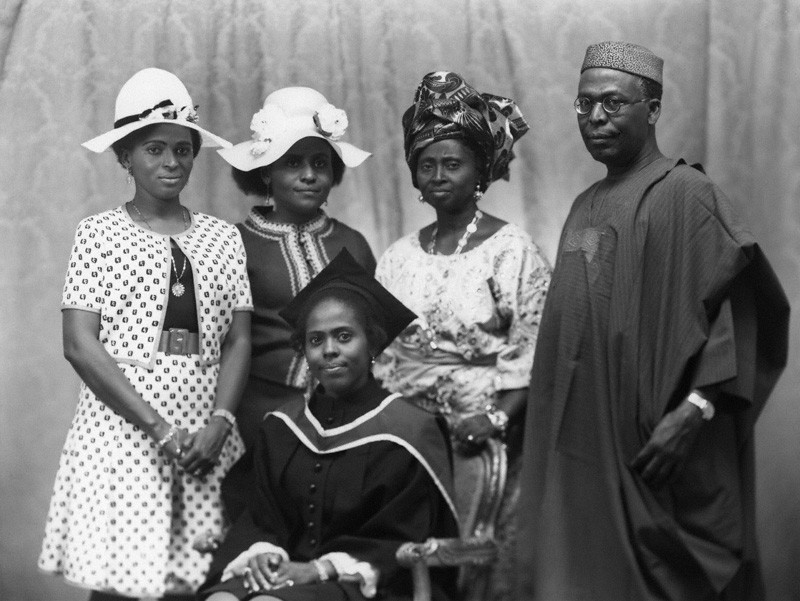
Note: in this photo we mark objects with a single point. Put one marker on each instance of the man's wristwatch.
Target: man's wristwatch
(705, 406)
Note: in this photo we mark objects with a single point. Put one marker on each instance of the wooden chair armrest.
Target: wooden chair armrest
(484, 480)
(436, 552)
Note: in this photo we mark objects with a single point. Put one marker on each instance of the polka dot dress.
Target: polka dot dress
(123, 516)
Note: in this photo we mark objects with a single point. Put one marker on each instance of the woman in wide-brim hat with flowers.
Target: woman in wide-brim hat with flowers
(156, 322)
(294, 157)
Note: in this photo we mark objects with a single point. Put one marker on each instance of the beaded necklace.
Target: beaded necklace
(471, 228)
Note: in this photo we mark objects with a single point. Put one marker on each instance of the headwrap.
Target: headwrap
(446, 107)
(624, 56)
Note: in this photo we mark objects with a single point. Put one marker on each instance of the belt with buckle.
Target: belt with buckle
(179, 341)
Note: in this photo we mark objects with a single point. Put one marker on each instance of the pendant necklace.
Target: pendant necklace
(177, 288)
(462, 242)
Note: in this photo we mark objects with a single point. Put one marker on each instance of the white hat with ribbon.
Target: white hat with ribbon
(150, 97)
(289, 115)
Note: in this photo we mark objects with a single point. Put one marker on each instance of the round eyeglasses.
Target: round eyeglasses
(610, 104)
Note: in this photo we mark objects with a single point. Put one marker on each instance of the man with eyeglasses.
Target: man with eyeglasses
(664, 331)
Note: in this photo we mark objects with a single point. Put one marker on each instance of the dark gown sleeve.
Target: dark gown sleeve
(398, 503)
(720, 305)
(720, 325)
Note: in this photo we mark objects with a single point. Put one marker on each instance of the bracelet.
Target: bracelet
(321, 571)
(226, 415)
(167, 438)
(498, 417)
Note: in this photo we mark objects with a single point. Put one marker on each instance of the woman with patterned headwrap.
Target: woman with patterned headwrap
(476, 282)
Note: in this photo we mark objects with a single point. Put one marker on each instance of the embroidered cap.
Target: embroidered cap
(344, 272)
(150, 97)
(624, 56)
(289, 115)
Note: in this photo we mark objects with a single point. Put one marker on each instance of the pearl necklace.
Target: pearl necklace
(177, 288)
(471, 228)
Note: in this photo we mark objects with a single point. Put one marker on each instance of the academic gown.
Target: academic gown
(360, 476)
(657, 290)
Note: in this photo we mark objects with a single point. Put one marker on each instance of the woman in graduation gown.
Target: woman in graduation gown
(343, 480)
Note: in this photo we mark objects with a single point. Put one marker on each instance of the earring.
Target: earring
(421, 199)
(478, 194)
(129, 177)
(264, 176)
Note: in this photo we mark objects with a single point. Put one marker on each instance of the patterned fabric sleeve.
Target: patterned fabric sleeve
(522, 275)
(84, 283)
(244, 298)
(382, 270)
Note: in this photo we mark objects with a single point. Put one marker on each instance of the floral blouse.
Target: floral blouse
(479, 314)
(122, 271)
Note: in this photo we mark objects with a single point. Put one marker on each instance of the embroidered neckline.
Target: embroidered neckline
(259, 223)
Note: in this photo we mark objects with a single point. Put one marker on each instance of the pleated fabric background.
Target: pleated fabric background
(731, 102)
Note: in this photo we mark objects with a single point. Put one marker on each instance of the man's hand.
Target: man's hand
(661, 460)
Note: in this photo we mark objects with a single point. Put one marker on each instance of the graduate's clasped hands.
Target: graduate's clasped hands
(268, 571)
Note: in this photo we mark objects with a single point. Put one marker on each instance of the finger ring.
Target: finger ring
(247, 571)
(290, 583)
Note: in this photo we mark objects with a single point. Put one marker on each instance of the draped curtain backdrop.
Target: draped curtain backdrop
(731, 81)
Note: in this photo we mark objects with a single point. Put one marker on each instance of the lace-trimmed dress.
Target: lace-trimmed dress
(123, 516)
(479, 315)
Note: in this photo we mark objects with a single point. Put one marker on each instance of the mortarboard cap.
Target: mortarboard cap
(344, 272)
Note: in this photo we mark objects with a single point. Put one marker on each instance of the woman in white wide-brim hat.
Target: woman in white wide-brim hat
(156, 322)
(293, 159)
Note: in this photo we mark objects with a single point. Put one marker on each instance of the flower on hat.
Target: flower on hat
(331, 122)
(188, 113)
(266, 125)
(167, 110)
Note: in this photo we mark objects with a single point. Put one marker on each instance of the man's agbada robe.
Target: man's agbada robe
(657, 290)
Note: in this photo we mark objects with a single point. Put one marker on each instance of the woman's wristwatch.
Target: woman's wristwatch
(498, 417)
